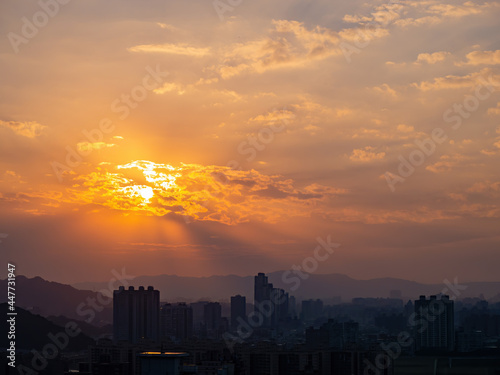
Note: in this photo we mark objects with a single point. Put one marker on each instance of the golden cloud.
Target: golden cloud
(88, 146)
(457, 82)
(483, 58)
(29, 129)
(385, 89)
(366, 154)
(494, 110)
(173, 49)
(447, 163)
(289, 44)
(432, 58)
(213, 193)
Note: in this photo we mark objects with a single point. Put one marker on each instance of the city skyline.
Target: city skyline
(277, 333)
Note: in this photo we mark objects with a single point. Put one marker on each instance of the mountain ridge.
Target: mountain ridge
(221, 287)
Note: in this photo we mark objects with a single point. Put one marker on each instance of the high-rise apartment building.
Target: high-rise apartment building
(434, 323)
(238, 310)
(136, 314)
(176, 321)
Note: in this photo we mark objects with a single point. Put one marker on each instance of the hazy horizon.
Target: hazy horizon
(269, 273)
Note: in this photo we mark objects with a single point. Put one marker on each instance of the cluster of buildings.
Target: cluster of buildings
(270, 338)
(138, 314)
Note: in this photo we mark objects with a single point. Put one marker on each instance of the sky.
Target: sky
(204, 138)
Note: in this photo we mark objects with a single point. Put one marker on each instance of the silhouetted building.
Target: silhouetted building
(213, 318)
(262, 297)
(280, 300)
(489, 324)
(312, 309)
(136, 314)
(166, 363)
(356, 363)
(292, 307)
(176, 321)
(434, 324)
(265, 358)
(470, 342)
(332, 335)
(198, 317)
(105, 357)
(238, 310)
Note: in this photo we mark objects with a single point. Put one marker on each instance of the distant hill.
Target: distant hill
(32, 332)
(88, 329)
(179, 288)
(50, 298)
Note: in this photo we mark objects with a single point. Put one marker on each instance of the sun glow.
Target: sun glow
(197, 192)
(145, 192)
(159, 180)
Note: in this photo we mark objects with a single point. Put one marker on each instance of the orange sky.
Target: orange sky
(183, 138)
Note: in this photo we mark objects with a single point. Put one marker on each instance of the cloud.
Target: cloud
(385, 89)
(360, 34)
(11, 177)
(381, 15)
(422, 21)
(482, 58)
(416, 13)
(447, 163)
(171, 87)
(486, 187)
(29, 129)
(449, 10)
(366, 154)
(348, 18)
(494, 110)
(457, 82)
(479, 200)
(288, 44)
(172, 49)
(423, 13)
(88, 146)
(283, 116)
(167, 26)
(205, 193)
(316, 41)
(496, 143)
(403, 128)
(394, 64)
(432, 58)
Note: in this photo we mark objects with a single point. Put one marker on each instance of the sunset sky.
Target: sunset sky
(207, 138)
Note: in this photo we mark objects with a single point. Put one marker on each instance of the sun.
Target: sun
(146, 192)
(159, 180)
(140, 194)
